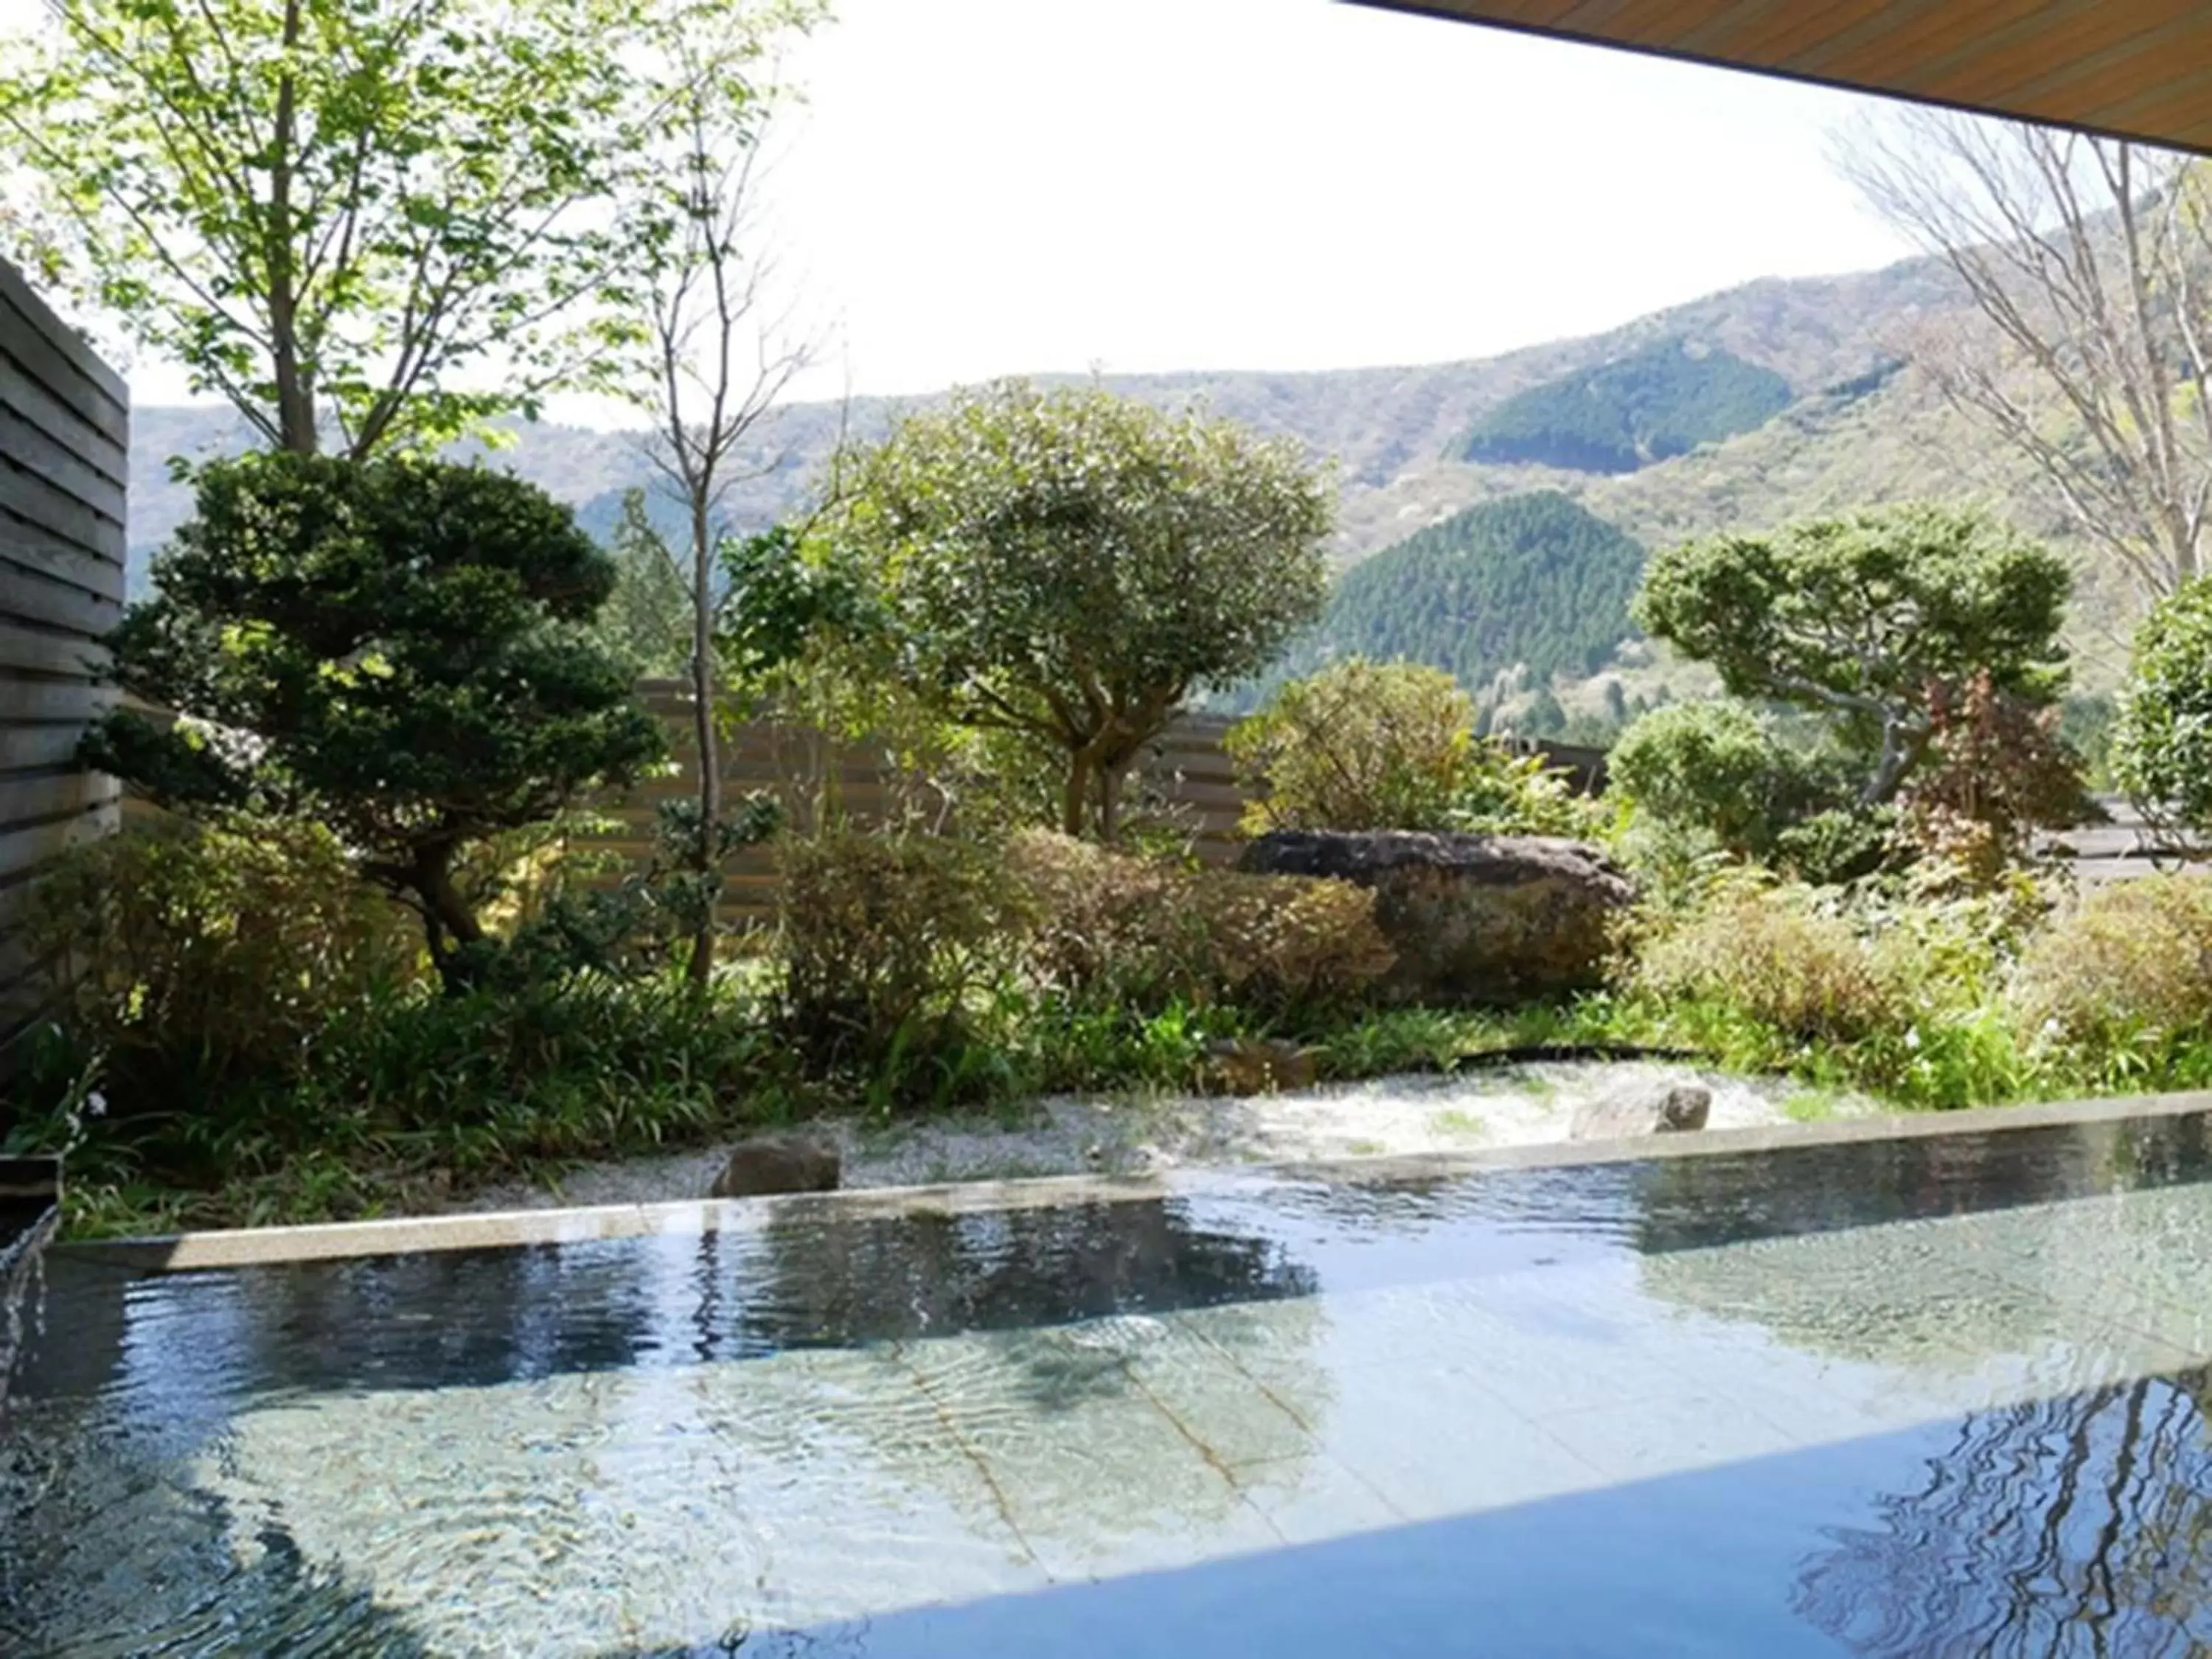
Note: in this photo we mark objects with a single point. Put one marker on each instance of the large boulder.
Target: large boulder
(1490, 919)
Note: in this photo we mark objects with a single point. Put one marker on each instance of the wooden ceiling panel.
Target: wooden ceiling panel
(2140, 68)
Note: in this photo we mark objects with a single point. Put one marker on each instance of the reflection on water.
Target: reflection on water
(1922, 1397)
(2080, 1525)
(510, 1434)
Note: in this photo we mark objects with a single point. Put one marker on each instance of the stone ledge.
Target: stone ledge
(186, 1252)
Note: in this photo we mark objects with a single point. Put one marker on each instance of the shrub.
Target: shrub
(1107, 927)
(188, 955)
(884, 939)
(1771, 954)
(1286, 945)
(2162, 753)
(1719, 766)
(1837, 846)
(2132, 964)
(1998, 771)
(1365, 745)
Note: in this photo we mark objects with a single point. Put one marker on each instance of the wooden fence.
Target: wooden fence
(1185, 779)
(65, 435)
(1184, 782)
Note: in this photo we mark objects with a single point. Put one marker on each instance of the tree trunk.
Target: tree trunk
(1900, 747)
(701, 967)
(1110, 778)
(1075, 808)
(446, 916)
(295, 405)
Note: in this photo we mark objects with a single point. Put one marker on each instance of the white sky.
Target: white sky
(978, 187)
(984, 186)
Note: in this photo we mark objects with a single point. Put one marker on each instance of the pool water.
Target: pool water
(1910, 1397)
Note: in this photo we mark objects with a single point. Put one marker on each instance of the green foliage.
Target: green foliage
(1721, 778)
(2086, 724)
(2162, 743)
(1360, 746)
(1837, 844)
(1719, 766)
(328, 210)
(1771, 954)
(780, 600)
(1365, 745)
(398, 650)
(647, 620)
(1109, 930)
(1864, 618)
(2128, 971)
(887, 942)
(186, 955)
(408, 1097)
(1663, 401)
(1071, 567)
(642, 924)
(1533, 579)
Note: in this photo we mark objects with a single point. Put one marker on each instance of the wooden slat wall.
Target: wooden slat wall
(65, 435)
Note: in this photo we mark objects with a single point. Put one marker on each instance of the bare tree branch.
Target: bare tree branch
(2085, 260)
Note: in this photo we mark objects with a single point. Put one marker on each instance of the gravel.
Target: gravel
(1391, 1116)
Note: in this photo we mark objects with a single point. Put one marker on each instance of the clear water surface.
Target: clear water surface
(1894, 1398)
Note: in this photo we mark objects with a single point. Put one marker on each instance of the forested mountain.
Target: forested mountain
(1533, 580)
(1651, 405)
(1858, 429)
(1396, 434)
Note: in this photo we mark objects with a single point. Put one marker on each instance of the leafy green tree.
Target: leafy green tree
(329, 211)
(1071, 567)
(400, 650)
(1866, 619)
(648, 618)
(2161, 751)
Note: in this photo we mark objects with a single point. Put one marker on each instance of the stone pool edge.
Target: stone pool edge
(407, 1235)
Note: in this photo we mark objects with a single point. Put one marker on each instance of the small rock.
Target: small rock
(1649, 1109)
(777, 1163)
(1247, 1066)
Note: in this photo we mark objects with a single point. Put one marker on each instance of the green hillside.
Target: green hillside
(1662, 401)
(1535, 580)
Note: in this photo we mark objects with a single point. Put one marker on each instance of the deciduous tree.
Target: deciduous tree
(2087, 260)
(387, 220)
(716, 358)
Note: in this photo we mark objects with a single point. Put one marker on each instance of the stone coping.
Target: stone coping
(185, 1252)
